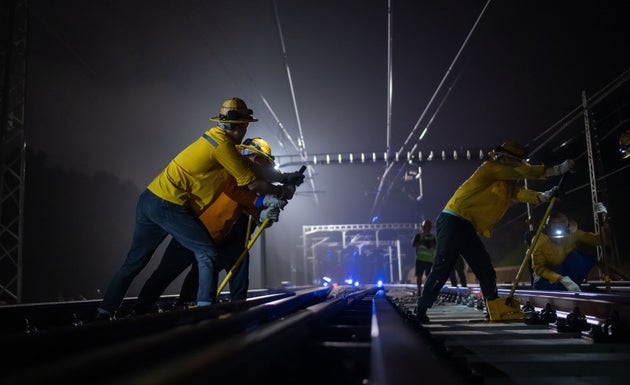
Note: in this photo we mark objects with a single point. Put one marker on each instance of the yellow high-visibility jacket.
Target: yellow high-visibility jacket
(484, 198)
(548, 254)
(198, 174)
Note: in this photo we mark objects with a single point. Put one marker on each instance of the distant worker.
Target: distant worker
(459, 270)
(557, 261)
(227, 224)
(477, 205)
(424, 243)
(173, 201)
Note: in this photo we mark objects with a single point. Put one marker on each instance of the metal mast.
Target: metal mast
(13, 23)
(591, 170)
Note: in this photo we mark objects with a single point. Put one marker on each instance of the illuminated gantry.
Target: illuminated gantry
(363, 240)
(377, 157)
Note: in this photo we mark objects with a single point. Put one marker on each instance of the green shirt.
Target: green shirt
(425, 247)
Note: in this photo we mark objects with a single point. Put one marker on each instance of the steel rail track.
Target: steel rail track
(317, 335)
(575, 348)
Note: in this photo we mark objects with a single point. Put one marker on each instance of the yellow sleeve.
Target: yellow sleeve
(542, 258)
(526, 196)
(234, 163)
(592, 239)
(499, 171)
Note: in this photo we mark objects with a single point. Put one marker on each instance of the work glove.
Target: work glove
(274, 201)
(293, 178)
(600, 209)
(287, 191)
(273, 213)
(560, 169)
(547, 195)
(569, 284)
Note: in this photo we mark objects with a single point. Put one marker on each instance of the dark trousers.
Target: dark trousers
(422, 269)
(177, 258)
(457, 236)
(460, 269)
(576, 266)
(229, 251)
(155, 219)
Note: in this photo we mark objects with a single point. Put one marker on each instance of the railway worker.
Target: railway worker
(173, 201)
(557, 261)
(227, 224)
(477, 205)
(424, 243)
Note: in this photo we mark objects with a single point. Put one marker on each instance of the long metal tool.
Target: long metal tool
(510, 309)
(242, 256)
(248, 246)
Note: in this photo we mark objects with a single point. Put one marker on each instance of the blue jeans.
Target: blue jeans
(457, 236)
(576, 266)
(155, 219)
(178, 258)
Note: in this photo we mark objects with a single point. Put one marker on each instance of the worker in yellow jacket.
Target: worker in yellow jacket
(556, 259)
(226, 221)
(477, 205)
(173, 201)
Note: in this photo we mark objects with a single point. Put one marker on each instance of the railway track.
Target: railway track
(582, 338)
(316, 335)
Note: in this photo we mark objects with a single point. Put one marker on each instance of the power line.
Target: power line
(415, 128)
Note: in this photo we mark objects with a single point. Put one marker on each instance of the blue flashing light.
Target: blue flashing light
(349, 281)
(325, 284)
(375, 218)
(327, 279)
(379, 283)
(356, 284)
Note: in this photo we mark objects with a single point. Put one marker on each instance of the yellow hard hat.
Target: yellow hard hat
(256, 146)
(511, 149)
(234, 111)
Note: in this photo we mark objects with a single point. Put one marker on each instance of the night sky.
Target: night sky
(117, 88)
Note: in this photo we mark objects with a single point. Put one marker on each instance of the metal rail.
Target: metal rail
(572, 345)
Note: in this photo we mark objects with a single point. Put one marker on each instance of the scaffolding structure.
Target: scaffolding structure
(356, 242)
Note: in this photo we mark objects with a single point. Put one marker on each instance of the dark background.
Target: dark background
(117, 88)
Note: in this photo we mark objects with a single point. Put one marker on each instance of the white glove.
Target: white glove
(560, 169)
(287, 191)
(547, 195)
(569, 284)
(273, 213)
(600, 208)
(274, 201)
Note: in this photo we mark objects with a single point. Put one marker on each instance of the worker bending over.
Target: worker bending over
(556, 259)
(173, 201)
(227, 221)
(477, 205)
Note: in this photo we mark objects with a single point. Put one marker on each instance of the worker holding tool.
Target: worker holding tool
(424, 243)
(173, 201)
(227, 224)
(557, 262)
(477, 205)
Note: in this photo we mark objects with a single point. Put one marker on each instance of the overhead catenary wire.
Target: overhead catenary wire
(576, 113)
(422, 115)
(302, 155)
(301, 143)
